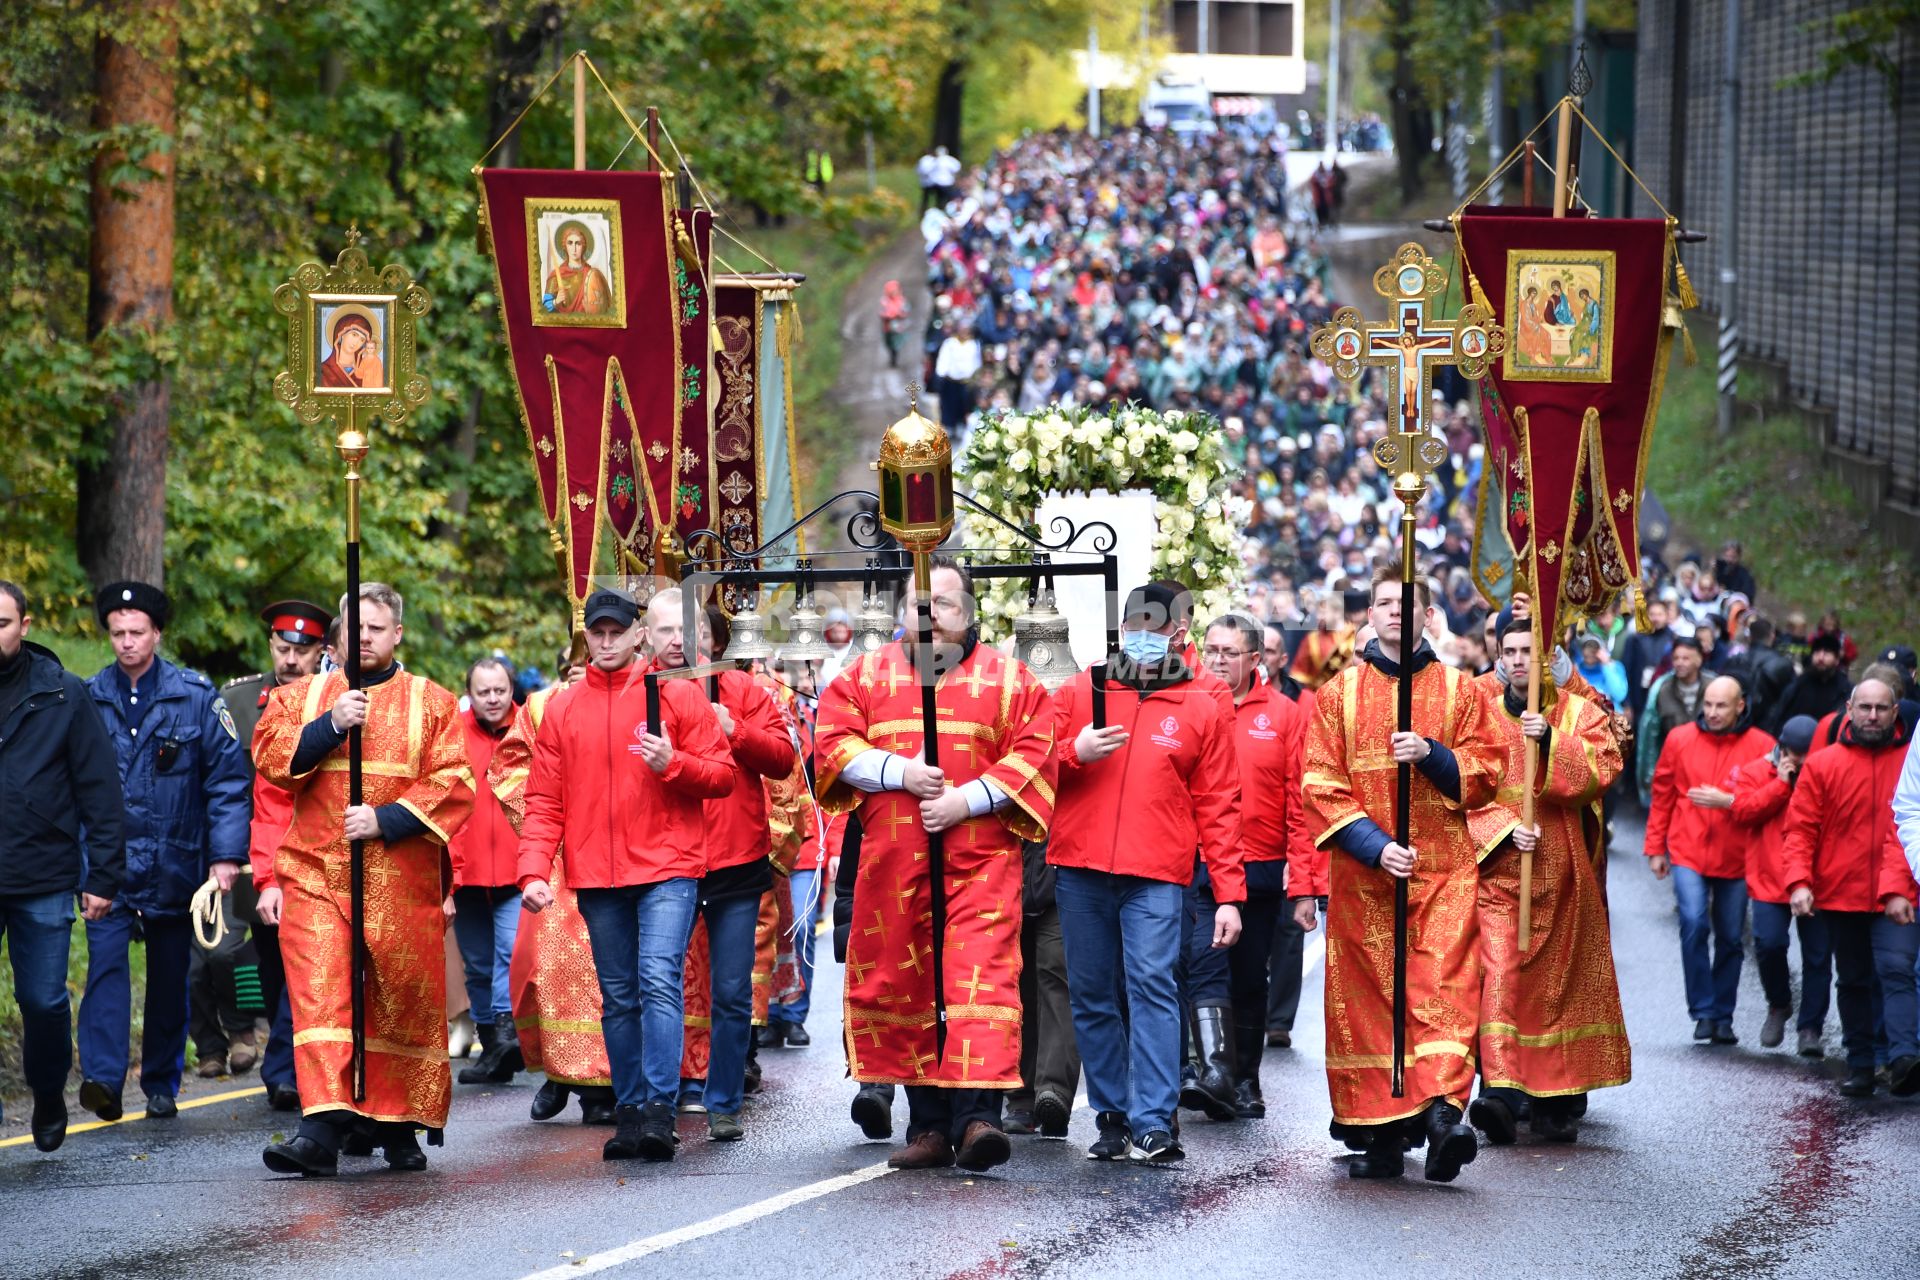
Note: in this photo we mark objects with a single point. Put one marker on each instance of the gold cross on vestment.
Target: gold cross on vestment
(858, 968)
(896, 677)
(1407, 347)
(967, 1062)
(920, 1062)
(902, 896)
(974, 679)
(899, 820)
(996, 915)
(974, 986)
(872, 1030)
(914, 956)
(879, 927)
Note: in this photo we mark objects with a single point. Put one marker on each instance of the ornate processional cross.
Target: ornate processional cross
(1407, 347)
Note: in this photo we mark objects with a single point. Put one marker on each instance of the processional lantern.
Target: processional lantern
(916, 485)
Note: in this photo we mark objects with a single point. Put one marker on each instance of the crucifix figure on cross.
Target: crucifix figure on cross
(1407, 348)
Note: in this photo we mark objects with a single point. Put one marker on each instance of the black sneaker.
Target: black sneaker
(657, 1136)
(1158, 1147)
(1051, 1113)
(1703, 1029)
(1115, 1139)
(283, 1098)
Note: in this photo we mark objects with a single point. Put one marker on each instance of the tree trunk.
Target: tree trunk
(948, 99)
(122, 516)
(1411, 135)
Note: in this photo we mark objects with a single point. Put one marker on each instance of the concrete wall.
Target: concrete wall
(1829, 239)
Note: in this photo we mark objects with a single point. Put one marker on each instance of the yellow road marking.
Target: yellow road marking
(207, 1101)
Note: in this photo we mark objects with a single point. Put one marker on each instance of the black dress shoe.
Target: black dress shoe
(1553, 1121)
(1703, 1029)
(49, 1120)
(1354, 1138)
(356, 1141)
(873, 1113)
(1723, 1033)
(1248, 1104)
(768, 1037)
(796, 1035)
(161, 1106)
(549, 1100)
(1382, 1156)
(1903, 1076)
(100, 1100)
(598, 1110)
(1577, 1106)
(282, 1098)
(403, 1151)
(1451, 1145)
(301, 1155)
(1858, 1084)
(1494, 1118)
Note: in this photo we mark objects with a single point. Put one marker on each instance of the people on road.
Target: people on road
(1139, 793)
(932, 979)
(373, 1080)
(1351, 782)
(1551, 1026)
(620, 785)
(486, 891)
(1691, 836)
(62, 835)
(183, 773)
(1844, 863)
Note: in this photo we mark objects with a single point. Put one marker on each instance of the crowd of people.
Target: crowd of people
(1105, 875)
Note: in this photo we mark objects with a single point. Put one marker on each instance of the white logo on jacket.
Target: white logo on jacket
(1165, 738)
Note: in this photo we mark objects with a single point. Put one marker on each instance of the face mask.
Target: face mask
(1145, 647)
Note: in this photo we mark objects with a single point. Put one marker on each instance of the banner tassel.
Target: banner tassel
(1684, 287)
(1479, 294)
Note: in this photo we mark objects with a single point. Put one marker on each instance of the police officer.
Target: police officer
(245, 973)
(184, 776)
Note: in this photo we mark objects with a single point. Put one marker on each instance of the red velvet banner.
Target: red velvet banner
(1569, 409)
(736, 413)
(583, 262)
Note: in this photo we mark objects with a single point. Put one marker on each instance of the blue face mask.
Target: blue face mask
(1145, 647)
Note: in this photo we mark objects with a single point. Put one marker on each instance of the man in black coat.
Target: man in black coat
(1820, 689)
(1764, 670)
(57, 774)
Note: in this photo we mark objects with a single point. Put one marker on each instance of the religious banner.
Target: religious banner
(584, 266)
(688, 464)
(1569, 409)
(778, 330)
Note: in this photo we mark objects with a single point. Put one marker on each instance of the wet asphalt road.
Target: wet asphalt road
(1714, 1162)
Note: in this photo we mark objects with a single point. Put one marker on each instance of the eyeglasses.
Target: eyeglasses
(1215, 651)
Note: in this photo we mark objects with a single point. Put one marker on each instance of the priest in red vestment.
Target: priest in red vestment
(1551, 1029)
(417, 791)
(994, 787)
(1351, 781)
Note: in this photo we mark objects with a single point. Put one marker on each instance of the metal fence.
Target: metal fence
(1828, 246)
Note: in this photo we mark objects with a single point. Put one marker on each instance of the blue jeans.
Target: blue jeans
(1896, 952)
(276, 1060)
(38, 931)
(639, 937)
(1718, 906)
(806, 910)
(1112, 924)
(1816, 962)
(106, 1011)
(730, 929)
(1203, 983)
(485, 922)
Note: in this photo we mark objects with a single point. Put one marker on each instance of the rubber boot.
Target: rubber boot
(501, 1058)
(1215, 1046)
(1249, 1044)
(489, 1044)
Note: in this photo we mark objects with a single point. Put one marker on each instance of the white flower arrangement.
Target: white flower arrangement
(1011, 461)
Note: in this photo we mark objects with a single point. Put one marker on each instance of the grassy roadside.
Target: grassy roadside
(833, 258)
(1806, 536)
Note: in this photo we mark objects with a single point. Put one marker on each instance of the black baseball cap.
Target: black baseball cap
(1902, 656)
(607, 605)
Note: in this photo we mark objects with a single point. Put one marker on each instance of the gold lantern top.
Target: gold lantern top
(916, 482)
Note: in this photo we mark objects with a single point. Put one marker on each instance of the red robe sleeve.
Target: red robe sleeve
(441, 795)
(840, 735)
(1026, 770)
(1582, 759)
(702, 763)
(513, 764)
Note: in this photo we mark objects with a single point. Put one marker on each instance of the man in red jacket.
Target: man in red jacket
(1137, 796)
(486, 894)
(1761, 790)
(1843, 861)
(626, 798)
(1690, 832)
(1269, 736)
(738, 871)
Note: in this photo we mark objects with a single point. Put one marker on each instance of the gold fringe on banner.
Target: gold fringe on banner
(1479, 294)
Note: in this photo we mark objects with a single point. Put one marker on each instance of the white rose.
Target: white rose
(1020, 460)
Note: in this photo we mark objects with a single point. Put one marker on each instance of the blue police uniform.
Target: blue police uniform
(185, 776)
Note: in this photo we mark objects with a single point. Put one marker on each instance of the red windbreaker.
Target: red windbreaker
(737, 830)
(1173, 788)
(1700, 839)
(1840, 822)
(1270, 737)
(623, 824)
(1760, 799)
(485, 851)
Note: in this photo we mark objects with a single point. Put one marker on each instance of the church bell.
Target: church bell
(1040, 641)
(806, 641)
(873, 625)
(748, 643)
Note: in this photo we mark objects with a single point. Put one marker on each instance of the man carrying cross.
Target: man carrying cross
(995, 787)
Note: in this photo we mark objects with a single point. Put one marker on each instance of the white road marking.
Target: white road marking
(1314, 952)
(711, 1226)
